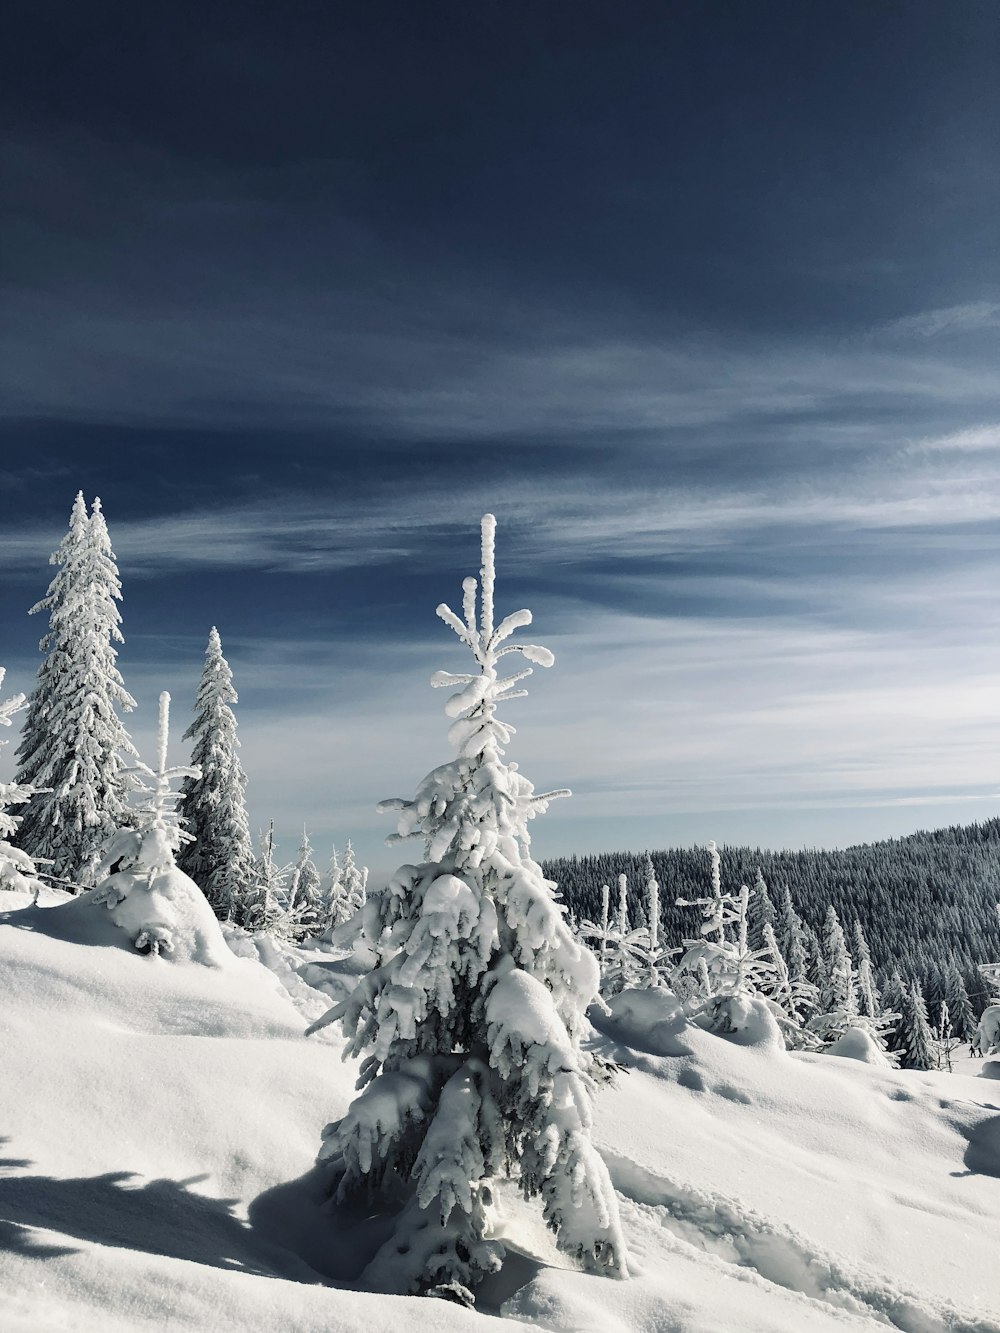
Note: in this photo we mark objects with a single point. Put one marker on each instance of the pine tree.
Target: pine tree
(791, 938)
(916, 1041)
(894, 999)
(354, 878)
(261, 904)
(213, 806)
(762, 913)
(73, 740)
(470, 1021)
(869, 1000)
(17, 870)
(305, 896)
(840, 991)
(961, 1017)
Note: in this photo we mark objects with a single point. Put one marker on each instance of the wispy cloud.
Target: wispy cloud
(968, 317)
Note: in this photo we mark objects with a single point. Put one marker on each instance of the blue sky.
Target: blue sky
(702, 300)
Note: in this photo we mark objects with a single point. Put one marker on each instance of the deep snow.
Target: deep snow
(160, 1121)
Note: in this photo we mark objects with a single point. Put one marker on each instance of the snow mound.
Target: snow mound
(857, 1044)
(646, 1020)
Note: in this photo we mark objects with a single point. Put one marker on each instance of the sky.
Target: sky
(702, 300)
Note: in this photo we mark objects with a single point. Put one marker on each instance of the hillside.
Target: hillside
(161, 1121)
(924, 901)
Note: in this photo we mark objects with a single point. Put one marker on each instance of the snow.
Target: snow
(162, 1118)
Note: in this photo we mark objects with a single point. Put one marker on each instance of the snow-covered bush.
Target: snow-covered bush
(160, 908)
(219, 855)
(73, 741)
(719, 972)
(469, 1023)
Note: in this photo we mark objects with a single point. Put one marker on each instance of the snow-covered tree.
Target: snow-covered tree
(261, 906)
(762, 913)
(961, 1018)
(73, 743)
(17, 869)
(792, 999)
(840, 990)
(916, 1040)
(469, 1024)
(306, 908)
(791, 937)
(162, 911)
(219, 858)
(344, 893)
(719, 972)
(354, 880)
(869, 1000)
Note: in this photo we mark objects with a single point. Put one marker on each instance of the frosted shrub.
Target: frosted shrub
(469, 1023)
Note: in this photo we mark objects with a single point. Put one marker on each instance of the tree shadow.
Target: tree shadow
(164, 1217)
(982, 1154)
(336, 1240)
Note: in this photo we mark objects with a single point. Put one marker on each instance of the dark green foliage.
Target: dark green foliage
(926, 903)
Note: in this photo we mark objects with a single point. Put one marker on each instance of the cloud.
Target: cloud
(969, 317)
(972, 439)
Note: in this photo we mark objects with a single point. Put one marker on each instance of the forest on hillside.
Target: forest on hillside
(925, 902)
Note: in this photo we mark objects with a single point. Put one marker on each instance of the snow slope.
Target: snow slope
(160, 1121)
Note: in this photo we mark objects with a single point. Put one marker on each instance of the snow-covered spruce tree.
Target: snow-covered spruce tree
(261, 906)
(916, 1040)
(354, 879)
(599, 931)
(869, 1000)
(762, 913)
(17, 869)
(213, 806)
(470, 1021)
(305, 894)
(838, 1007)
(961, 1017)
(625, 959)
(73, 743)
(790, 934)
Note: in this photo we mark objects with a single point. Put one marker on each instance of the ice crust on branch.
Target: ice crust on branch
(469, 1023)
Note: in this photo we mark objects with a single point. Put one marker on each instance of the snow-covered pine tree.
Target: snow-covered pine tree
(816, 970)
(261, 905)
(792, 999)
(600, 931)
(213, 806)
(73, 743)
(840, 990)
(894, 999)
(837, 1006)
(354, 878)
(624, 961)
(791, 937)
(470, 1021)
(306, 908)
(17, 870)
(960, 1014)
(869, 1000)
(762, 912)
(916, 1040)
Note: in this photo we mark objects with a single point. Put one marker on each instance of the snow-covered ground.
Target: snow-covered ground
(159, 1123)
